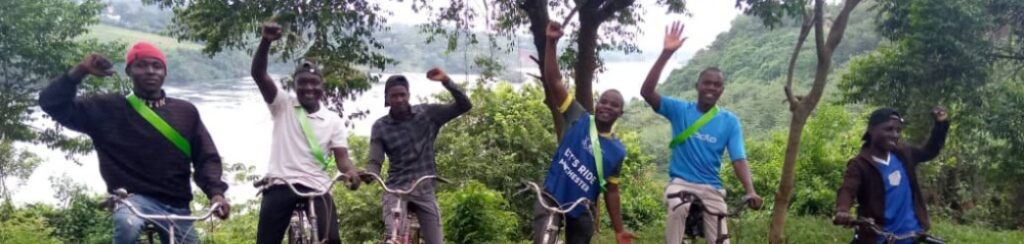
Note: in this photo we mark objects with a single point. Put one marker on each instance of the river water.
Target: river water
(240, 125)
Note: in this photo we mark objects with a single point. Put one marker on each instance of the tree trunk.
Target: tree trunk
(802, 110)
(537, 12)
(782, 197)
(586, 63)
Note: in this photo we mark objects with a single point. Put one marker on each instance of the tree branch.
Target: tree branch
(839, 25)
(819, 29)
(537, 61)
(805, 29)
(825, 52)
(608, 9)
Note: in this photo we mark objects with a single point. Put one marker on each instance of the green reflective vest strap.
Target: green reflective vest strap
(310, 137)
(160, 125)
(679, 139)
(595, 143)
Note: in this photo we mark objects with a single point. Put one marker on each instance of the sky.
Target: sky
(708, 19)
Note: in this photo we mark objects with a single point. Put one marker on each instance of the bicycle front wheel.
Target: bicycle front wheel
(299, 229)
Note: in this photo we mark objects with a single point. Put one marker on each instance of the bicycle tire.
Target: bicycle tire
(414, 229)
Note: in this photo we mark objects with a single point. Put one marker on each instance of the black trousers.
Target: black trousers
(578, 230)
(276, 211)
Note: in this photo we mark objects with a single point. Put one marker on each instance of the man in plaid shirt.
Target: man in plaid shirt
(407, 136)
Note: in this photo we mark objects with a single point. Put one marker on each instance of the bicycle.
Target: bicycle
(551, 230)
(120, 198)
(890, 238)
(403, 229)
(695, 218)
(302, 228)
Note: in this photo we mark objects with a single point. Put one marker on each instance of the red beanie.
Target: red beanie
(144, 50)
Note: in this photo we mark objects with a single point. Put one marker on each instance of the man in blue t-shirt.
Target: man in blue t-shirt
(882, 178)
(695, 162)
(574, 173)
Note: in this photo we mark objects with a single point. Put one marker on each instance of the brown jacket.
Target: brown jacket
(863, 181)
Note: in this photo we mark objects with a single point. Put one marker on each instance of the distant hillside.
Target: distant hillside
(108, 33)
(755, 61)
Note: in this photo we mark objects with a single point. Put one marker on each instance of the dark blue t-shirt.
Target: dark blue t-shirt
(899, 202)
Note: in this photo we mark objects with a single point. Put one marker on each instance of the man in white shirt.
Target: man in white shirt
(299, 122)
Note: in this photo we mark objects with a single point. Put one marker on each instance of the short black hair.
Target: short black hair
(711, 69)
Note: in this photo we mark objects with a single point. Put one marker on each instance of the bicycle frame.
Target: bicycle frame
(687, 197)
(120, 197)
(890, 237)
(399, 211)
(311, 215)
(551, 229)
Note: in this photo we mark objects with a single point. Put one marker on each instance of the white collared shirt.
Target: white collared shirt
(290, 156)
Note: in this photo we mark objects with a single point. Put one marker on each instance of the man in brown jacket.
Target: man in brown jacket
(883, 177)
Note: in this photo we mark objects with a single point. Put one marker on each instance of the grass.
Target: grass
(107, 33)
(806, 229)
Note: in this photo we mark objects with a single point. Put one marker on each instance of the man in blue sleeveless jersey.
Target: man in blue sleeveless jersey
(574, 172)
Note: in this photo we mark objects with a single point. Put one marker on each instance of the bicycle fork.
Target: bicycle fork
(398, 224)
(312, 222)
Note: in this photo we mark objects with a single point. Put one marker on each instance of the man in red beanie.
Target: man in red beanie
(147, 143)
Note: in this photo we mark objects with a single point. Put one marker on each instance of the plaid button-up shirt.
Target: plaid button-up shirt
(409, 143)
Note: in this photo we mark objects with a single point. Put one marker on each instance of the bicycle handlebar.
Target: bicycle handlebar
(528, 185)
(120, 195)
(688, 197)
(407, 191)
(269, 180)
(892, 237)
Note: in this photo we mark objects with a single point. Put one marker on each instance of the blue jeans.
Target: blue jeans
(128, 226)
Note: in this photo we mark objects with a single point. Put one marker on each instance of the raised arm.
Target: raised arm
(443, 113)
(59, 98)
(552, 77)
(269, 33)
(673, 40)
(937, 139)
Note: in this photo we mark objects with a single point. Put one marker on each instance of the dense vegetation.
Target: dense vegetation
(508, 136)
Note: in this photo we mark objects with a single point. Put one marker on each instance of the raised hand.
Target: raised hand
(554, 30)
(270, 31)
(940, 113)
(437, 74)
(674, 36)
(97, 65)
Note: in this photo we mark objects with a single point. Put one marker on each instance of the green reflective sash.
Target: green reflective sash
(310, 137)
(160, 125)
(679, 139)
(595, 143)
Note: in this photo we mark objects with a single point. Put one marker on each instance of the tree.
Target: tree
(603, 25)
(39, 43)
(800, 106)
(336, 34)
